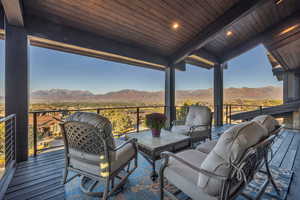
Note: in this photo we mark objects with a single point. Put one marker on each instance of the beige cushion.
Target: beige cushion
(269, 122)
(90, 162)
(229, 148)
(207, 146)
(183, 129)
(184, 177)
(198, 115)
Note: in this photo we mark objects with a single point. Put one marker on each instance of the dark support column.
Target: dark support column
(218, 94)
(170, 95)
(16, 85)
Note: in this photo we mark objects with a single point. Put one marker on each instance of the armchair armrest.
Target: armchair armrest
(192, 128)
(166, 155)
(130, 141)
(178, 122)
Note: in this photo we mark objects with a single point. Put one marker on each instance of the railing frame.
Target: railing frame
(10, 161)
(98, 110)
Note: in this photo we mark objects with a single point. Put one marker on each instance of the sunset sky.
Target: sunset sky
(54, 69)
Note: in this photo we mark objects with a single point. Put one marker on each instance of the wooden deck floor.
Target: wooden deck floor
(40, 177)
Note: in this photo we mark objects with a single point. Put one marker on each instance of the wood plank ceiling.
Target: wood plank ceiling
(149, 23)
(251, 25)
(138, 22)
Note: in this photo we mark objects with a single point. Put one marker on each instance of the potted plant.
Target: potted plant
(155, 121)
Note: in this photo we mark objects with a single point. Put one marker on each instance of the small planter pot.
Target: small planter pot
(155, 132)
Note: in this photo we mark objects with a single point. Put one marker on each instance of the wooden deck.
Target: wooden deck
(41, 177)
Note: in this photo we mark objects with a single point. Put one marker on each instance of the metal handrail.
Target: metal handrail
(98, 110)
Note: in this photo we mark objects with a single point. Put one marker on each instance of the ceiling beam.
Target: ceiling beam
(261, 38)
(56, 36)
(203, 53)
(13, 11)
(234, 14)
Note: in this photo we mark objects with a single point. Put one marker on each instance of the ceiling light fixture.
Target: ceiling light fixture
(278, 1)
(175, 25)
(229, 33)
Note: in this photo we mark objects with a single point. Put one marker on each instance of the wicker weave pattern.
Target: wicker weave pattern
(87, 129)
(83, 137)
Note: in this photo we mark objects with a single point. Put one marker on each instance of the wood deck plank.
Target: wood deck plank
(41, 177)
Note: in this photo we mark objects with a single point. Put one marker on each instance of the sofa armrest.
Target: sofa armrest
(166, 155)
(192, 128)
(178, 122)
(130, 141)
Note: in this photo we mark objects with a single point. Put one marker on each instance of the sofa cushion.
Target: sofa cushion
(207, 146)
(198, 115)
(230, 147)
(184, 177)
(269, 122)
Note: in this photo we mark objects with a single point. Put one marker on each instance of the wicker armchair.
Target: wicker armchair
(225, 178)
(91, 152)
(197, 124)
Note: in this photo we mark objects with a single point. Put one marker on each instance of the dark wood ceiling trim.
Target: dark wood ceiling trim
(207, 55)
(231, 16)
(13, 11)
(264, 37)
(45, 29)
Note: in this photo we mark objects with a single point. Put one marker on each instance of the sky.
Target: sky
(53, 69)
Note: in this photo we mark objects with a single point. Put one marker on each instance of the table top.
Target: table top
(144, 138)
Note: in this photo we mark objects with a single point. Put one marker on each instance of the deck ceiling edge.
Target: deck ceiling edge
(232, 15)
(261, 38)
(82, 42)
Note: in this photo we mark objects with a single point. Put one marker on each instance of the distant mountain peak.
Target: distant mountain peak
(153, 97)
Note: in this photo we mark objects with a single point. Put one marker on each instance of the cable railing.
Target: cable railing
(45, 133)
(231, 109)
(7, 144)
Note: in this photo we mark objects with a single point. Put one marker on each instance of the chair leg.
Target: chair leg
(65, 176)
(161, 187)
(106, 189)
(270, 177)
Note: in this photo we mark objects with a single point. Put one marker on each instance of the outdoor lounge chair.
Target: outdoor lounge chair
(197, 124)
(91, 153)
(267, 121)
(225, 171)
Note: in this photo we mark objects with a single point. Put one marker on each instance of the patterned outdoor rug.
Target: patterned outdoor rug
(140, 187)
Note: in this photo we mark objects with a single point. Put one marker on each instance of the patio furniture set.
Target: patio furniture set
(213, 170)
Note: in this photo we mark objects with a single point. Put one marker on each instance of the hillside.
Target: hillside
(131, 96)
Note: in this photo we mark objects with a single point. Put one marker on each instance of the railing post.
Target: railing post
(98, 111)
(226, 113)
(229, 113)
(34, 134)
(260, 109)
(137, 119)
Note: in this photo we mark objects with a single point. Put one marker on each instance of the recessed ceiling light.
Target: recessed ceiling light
(175, 25)
(229, 33)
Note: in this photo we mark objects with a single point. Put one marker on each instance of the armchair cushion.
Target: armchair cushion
(198, 115)
(229, 149)
(207, 146)
(269, 122)
(184, 177)
(91, 163)
(183, 129)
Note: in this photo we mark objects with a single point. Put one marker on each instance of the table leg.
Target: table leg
(153, 174)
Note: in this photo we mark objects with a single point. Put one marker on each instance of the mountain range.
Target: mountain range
(133, 96)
